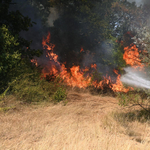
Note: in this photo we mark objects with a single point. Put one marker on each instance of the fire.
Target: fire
(105, 82)
(82, 50)
(93, 66)
(132, 56)
(49, 47)
(34, 61)
(118, 86)
(76, 77)
(115, 71)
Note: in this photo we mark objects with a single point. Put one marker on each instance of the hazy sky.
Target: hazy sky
(138, 2)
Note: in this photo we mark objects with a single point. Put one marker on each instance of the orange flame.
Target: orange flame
(93, 66)
(76, 76)
(118, 86)
(115, 71)
(132, 56)
(34, 61)
(82, 50)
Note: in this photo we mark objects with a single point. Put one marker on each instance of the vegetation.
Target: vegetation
(15, 51)
(17, 75)
(101, 28)
(59, 95)
(93, 25)
(138, 97)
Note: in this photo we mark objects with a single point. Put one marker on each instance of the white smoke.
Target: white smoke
(136, 77)
(52, 16)
(138, 2)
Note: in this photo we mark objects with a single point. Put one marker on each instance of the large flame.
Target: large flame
(76, 77)
(118, 86)
(132, 56)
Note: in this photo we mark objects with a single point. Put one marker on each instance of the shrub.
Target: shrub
(138, 97)
(30, 88)
(9, 57)
(59, 95)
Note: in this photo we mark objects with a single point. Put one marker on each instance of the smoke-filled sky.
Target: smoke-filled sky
(38, 30)
(140, 2)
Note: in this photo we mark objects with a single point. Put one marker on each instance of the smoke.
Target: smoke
(136, 77)
(52, 16)
(146, 2)
(42, 21)
(65, 35)
(140, 2)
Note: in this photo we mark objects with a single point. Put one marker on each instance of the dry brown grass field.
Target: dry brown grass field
(85, 122)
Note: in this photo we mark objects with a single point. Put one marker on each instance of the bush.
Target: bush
(138, 97)
(30, 88)
(10, 56)
(59, 95)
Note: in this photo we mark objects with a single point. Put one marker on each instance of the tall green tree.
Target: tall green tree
(15, 51)
(93, 25)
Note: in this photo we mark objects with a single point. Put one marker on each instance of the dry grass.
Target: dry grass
(85, 123)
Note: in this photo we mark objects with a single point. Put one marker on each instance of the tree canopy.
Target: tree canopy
(94, 25)
(15, 50)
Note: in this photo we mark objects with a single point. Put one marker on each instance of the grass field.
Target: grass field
(85, 122)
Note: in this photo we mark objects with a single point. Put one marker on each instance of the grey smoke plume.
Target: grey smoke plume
(146, 1)
(39, 29)
(140, 2)
(52, 16)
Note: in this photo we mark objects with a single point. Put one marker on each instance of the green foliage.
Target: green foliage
(96, 76)
(10, 56)
(142, 41)
(30, 88)
(137, 115)
(114, 53)
(129, 98)
(118, 52)
(15, 51)
(5, 109)
(90, 24)
(59, 95)
(138, 97)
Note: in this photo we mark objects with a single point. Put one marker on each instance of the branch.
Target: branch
(143, 108)
(140, 106)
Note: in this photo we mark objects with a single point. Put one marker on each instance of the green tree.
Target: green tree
(10, 56)
(15, 51)
(92, 24)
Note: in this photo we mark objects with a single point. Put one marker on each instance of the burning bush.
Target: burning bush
(75, 76)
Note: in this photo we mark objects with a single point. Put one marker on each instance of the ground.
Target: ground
(83, 122)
